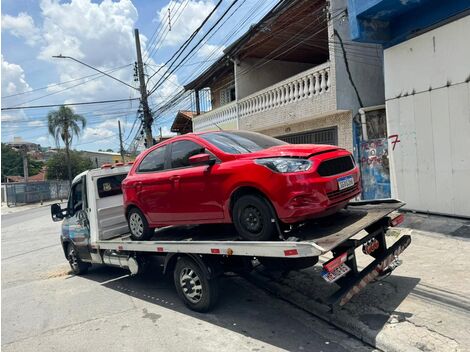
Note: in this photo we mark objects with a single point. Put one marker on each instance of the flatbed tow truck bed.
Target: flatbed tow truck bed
(311, 240)
(334, 234)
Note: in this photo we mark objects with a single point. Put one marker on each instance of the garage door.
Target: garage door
(323, 136)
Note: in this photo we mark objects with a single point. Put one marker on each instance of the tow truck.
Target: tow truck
(95, 231)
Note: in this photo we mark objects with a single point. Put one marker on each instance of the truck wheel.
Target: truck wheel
(252, 217)
(196, 290)
(78, 267)
(138, 225)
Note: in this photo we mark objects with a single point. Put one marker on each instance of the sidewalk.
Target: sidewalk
(423, 306)
(18, 208)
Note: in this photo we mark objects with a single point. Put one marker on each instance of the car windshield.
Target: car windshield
(241, 142)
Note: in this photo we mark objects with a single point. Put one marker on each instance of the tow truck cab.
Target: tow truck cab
(94, 211)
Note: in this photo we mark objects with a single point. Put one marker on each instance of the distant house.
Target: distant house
(100, 158)
(41, 176)
(182, 123)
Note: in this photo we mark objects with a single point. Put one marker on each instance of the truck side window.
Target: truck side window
(154, 161)
(76, 199)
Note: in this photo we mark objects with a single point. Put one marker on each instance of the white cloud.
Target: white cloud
(95, 133)
(21, 26)
(100, 34)
(185, 19)
(210, 50)
(42, 140)
(166, 132)
(13, 82)
(36, 123)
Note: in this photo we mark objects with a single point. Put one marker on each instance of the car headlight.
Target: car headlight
(285, 164)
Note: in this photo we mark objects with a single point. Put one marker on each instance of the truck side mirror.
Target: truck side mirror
(56, 212)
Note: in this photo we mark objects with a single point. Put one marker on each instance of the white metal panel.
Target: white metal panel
(459, 115)
(396, 164)
(441, 150)
(424, 145)
(432, 59)
(407, 148)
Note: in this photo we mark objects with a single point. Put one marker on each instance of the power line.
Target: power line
(62, 83)
(183, 46)
(68, 104)
(158, 84)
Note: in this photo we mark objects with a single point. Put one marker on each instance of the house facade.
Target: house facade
(295, 75)
(427, 94)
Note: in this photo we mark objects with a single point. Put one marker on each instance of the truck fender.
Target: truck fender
(211, 267)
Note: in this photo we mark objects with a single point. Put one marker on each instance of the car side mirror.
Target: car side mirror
(56, 212)
(204, 159)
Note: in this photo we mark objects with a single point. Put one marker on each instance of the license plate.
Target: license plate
(345, 182)
(334, 275)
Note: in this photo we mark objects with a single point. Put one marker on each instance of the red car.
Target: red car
(256, 182)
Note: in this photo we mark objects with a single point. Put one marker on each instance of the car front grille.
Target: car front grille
(344, 193)
(335, 166)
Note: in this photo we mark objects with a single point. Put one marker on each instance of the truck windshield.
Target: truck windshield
(240, 142)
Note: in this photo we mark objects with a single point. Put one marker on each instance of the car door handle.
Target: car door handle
(138, 186)
(175, 178)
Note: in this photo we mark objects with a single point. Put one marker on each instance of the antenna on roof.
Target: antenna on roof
(216, 125)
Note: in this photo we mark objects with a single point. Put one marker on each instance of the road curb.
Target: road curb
(385, 340)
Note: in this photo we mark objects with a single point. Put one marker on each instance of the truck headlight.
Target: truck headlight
(285, 164)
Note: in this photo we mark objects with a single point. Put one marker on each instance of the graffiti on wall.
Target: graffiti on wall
(375, 169)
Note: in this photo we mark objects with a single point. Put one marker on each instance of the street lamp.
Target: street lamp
(93, 68)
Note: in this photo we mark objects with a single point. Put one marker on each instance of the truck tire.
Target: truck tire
(197, 291)
(78, 267)
(138, 225)
(253, 217)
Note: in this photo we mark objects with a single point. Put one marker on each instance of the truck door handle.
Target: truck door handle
(175, 178)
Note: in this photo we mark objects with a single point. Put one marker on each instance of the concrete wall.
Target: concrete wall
(251, 80)
(428, 108)
(342, 120)
(365, 64)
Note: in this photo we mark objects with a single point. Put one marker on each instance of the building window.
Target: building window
(321, 136)
(227, 95)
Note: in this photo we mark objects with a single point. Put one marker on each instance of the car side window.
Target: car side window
(181, 152)
(154, 161)
(76, 199)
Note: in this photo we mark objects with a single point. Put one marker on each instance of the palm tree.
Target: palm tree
(64, 124)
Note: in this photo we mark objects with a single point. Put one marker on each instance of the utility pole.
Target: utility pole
(148, 119)
(25, 162)
(120, 142)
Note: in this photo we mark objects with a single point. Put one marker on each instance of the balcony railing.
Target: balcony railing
(309, 84)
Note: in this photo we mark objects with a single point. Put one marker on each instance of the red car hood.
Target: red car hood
(298, 150)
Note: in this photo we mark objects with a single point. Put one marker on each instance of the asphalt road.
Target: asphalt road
(44, 308)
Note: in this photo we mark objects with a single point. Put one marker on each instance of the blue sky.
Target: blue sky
(100, 33)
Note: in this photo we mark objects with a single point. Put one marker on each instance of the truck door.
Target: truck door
(76, 226)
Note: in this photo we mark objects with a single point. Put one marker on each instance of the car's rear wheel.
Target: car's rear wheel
(254, 218)
(138, 225)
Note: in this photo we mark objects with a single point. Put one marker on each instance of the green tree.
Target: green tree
(64, 124)
(12, 163)
(57, 168)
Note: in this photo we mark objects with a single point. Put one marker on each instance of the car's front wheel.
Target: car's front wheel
(254, 218)
(138, 225)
